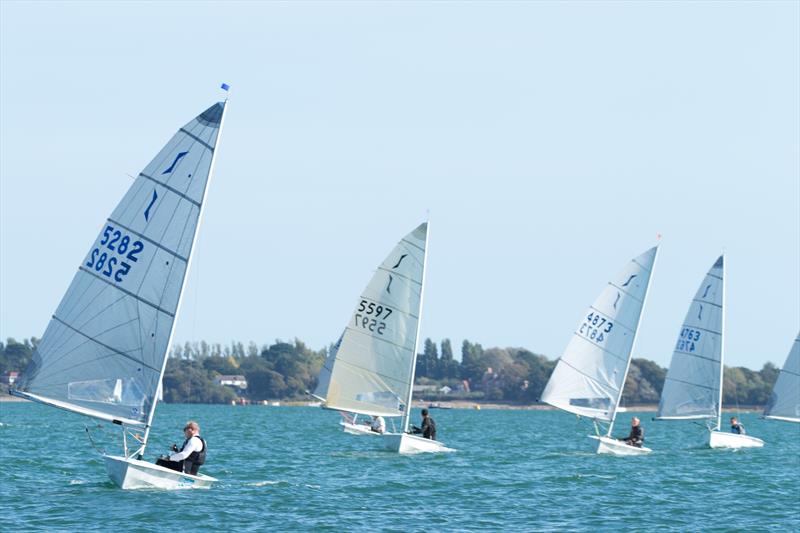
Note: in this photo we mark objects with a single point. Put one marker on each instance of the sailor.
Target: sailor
(736, 427)
(636, 437)
(378, 424)
(428, 428)
(191, 455)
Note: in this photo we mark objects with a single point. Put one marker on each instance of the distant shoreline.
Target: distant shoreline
(462, 404)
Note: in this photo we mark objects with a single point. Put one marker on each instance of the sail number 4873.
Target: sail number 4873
(370, 316)
(113, 264)
(596, 327)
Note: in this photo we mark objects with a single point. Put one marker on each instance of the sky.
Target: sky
(548, 143)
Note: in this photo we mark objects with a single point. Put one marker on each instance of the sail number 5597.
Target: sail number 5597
(371, 316)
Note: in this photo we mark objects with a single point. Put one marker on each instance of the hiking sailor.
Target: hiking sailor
(191, 455)
(428, 428)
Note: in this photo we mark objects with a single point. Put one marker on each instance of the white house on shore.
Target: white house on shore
(232, 381)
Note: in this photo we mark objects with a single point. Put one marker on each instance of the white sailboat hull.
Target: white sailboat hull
(406, 443)
(357, 429)
(719, 439)
(607, 445)
(135, 474)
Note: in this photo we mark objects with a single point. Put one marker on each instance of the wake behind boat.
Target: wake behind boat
(104, 352)
(589, 378)
(370, 370)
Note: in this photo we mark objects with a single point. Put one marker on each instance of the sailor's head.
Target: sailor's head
(733, 420)
(635, 421)
(424, 412)
(192, 428)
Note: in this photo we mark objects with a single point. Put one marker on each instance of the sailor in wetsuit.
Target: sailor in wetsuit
(736, 427)
(191, 454)
(428, 428)
(636, 437)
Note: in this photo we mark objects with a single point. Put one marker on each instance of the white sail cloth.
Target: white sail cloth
(691, 388)
(591, 373)
(103, 351)
(370, 370)
(784, 404)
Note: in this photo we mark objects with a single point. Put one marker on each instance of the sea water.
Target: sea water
(293, 469)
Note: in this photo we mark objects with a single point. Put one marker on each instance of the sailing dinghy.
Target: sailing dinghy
(370, 370)
(784, 403)
(693, 386)
(589, 378)
(104, 351)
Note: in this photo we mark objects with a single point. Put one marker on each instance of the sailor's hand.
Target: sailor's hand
(174, 448)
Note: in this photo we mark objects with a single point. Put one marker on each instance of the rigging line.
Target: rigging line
(91, 440)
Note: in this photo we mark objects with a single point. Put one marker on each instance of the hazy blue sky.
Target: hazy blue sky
(551, 143)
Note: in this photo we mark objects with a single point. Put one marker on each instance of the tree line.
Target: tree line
(286, 370)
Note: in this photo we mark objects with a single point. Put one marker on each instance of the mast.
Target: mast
(633, 345)
(409, 397)
(722, 348)
(185, 278)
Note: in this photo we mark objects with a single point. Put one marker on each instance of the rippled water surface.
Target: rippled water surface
(291, 469)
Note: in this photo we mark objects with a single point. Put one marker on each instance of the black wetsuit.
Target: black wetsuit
(738, 429)
(428, 428)
(636, 438)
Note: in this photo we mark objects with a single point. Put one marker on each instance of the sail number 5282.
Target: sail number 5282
(112, 264)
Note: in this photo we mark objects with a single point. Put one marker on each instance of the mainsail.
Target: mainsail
(104, 350)
(589, 377)
(784, 404)
(370, 370)
(692, 386)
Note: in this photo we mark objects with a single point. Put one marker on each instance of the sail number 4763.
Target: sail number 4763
(370, 316)
(123, 248)
(596, 327)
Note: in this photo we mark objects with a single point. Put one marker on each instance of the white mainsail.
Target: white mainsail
(371, 369)
(692, 386)
(104, 351)
(784, 404)
(589, 377)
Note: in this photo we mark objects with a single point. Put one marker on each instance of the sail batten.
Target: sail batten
(784, 402)
(589, 376)
(104, 350)
(692, 385)
(369, 370)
